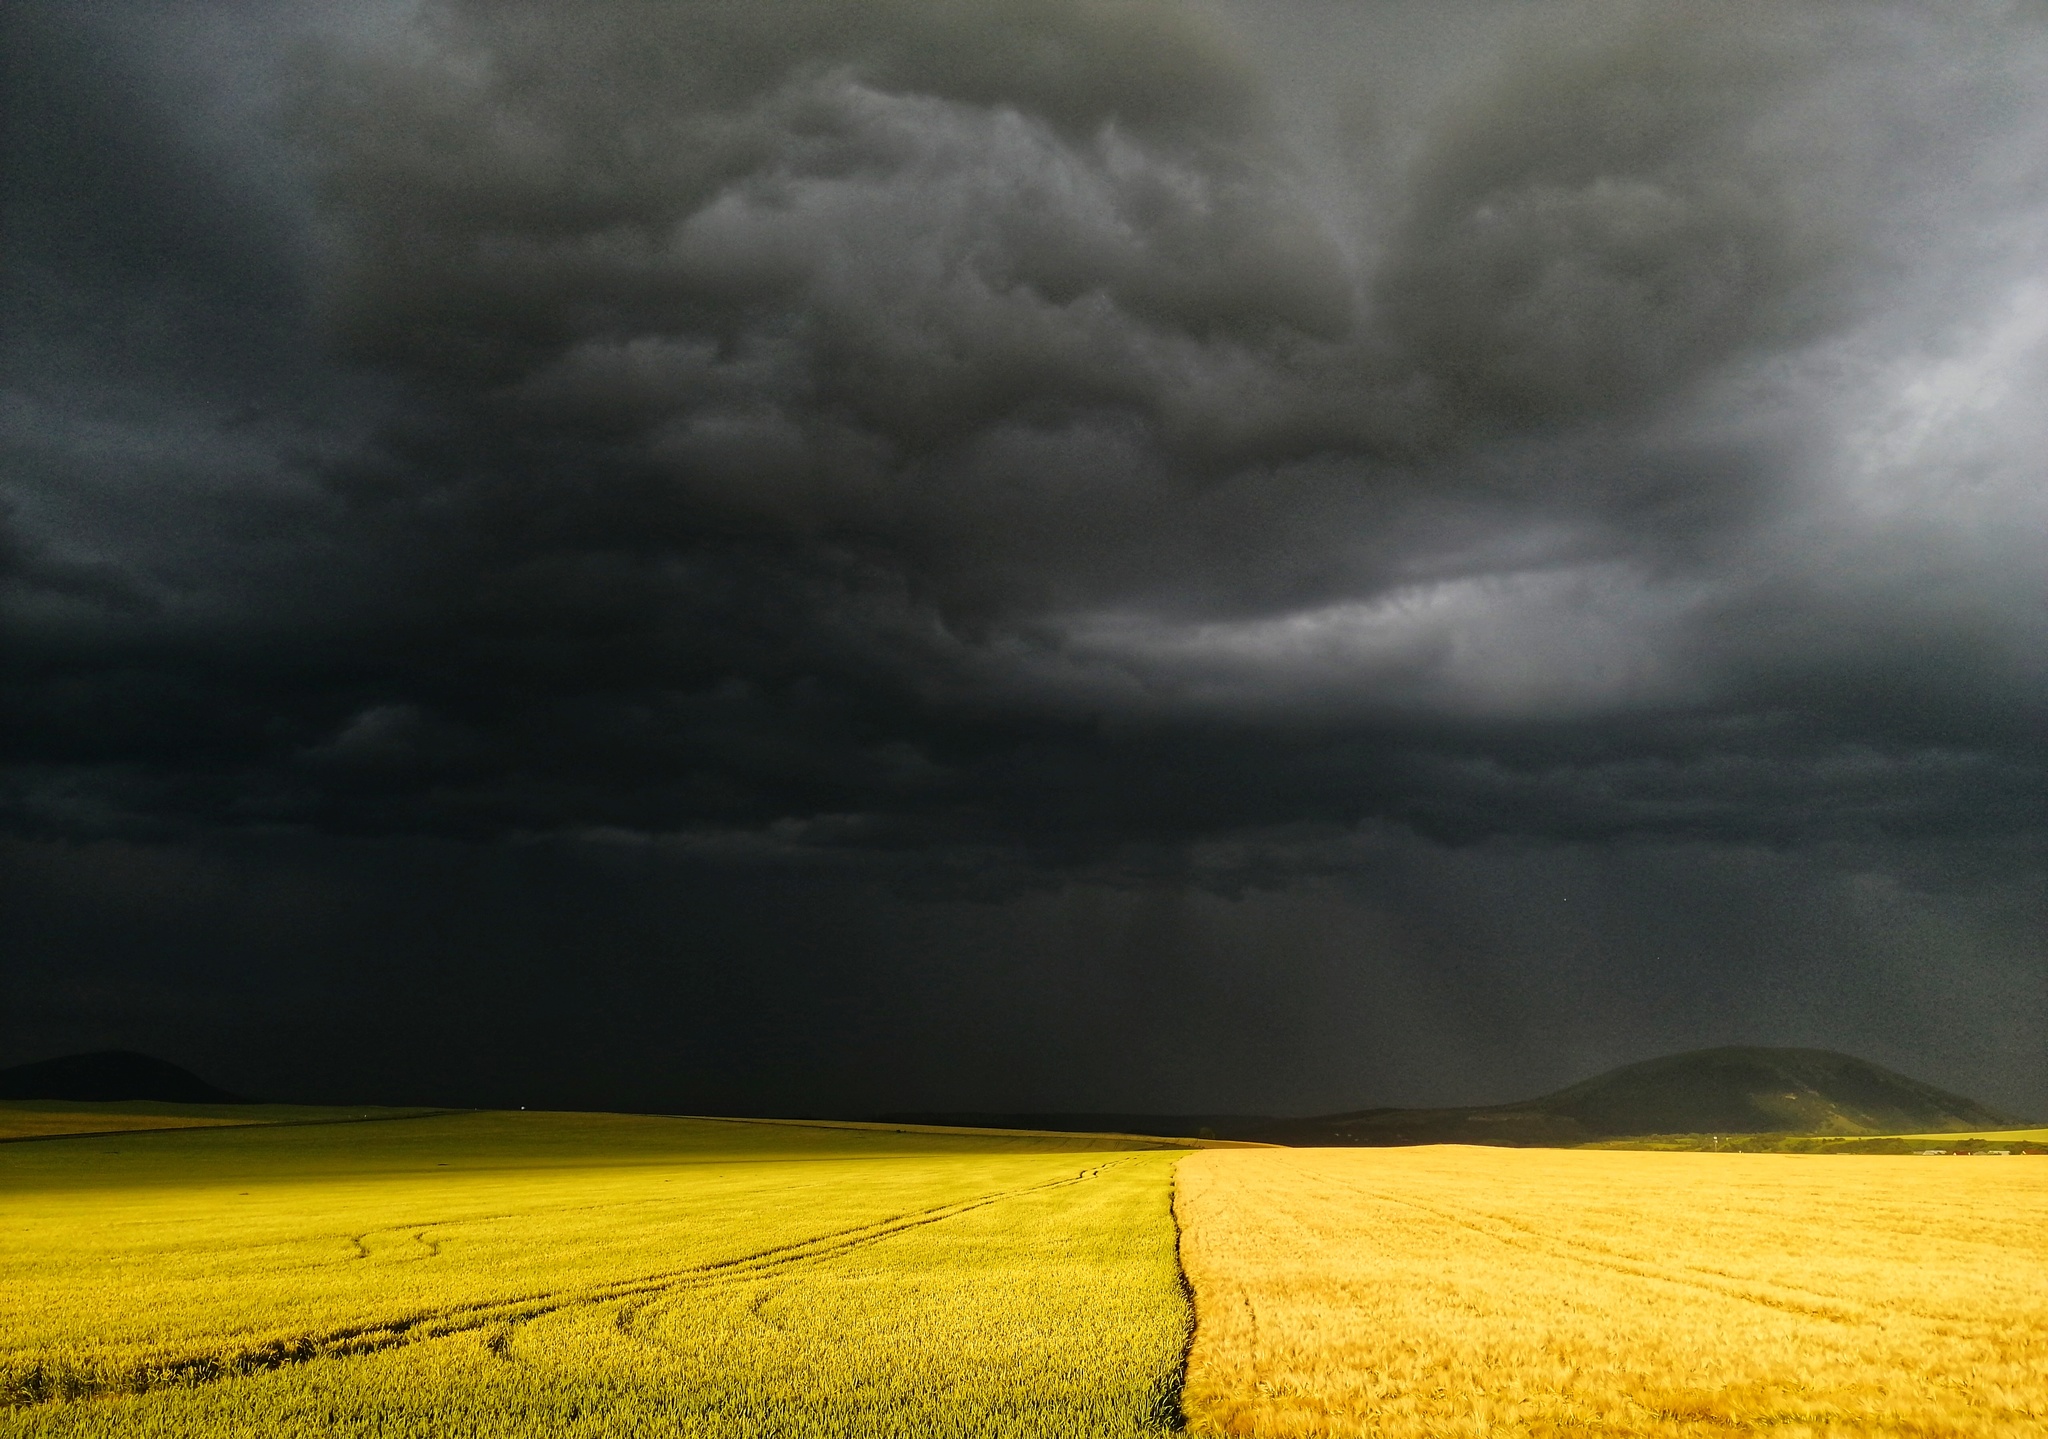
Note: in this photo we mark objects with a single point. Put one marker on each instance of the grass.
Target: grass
(586, 1275)
(1467, 1291)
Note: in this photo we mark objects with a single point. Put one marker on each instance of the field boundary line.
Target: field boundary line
(121, 1133)
(231, 1124)
(1168, 1409)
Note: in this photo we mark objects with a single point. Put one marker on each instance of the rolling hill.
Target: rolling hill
(110, 1074)
(1721, 1091)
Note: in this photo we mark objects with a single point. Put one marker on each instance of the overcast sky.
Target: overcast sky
(838, 555)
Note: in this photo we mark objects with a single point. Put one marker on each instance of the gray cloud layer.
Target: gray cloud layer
(742, 414)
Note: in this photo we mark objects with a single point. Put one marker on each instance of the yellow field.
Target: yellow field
(1465, 1291)
(585, 1275)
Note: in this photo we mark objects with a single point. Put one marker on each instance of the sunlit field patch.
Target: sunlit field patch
(586, 1274)
(1457, 1290)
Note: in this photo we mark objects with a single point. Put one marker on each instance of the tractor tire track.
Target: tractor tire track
(39, 1384)
(1593, 1256)
(787, 1258)
(761, 1301)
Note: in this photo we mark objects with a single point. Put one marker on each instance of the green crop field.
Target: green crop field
(1987, 1136)
(586, 1275)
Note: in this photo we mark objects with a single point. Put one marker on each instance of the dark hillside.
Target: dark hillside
(1764, 1091)
(1708, 1091)
(109, 1074)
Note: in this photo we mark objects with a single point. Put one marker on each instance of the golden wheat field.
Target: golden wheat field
(1460, 1291)
(545, 1274)
(586, 1275)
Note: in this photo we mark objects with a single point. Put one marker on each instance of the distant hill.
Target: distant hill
(109, 1074)
(1708, 1091)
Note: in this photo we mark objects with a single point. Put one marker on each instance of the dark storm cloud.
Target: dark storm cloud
(1033, 437)
(1045, 553)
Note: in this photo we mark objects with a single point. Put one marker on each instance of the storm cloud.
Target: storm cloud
(953, 455)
